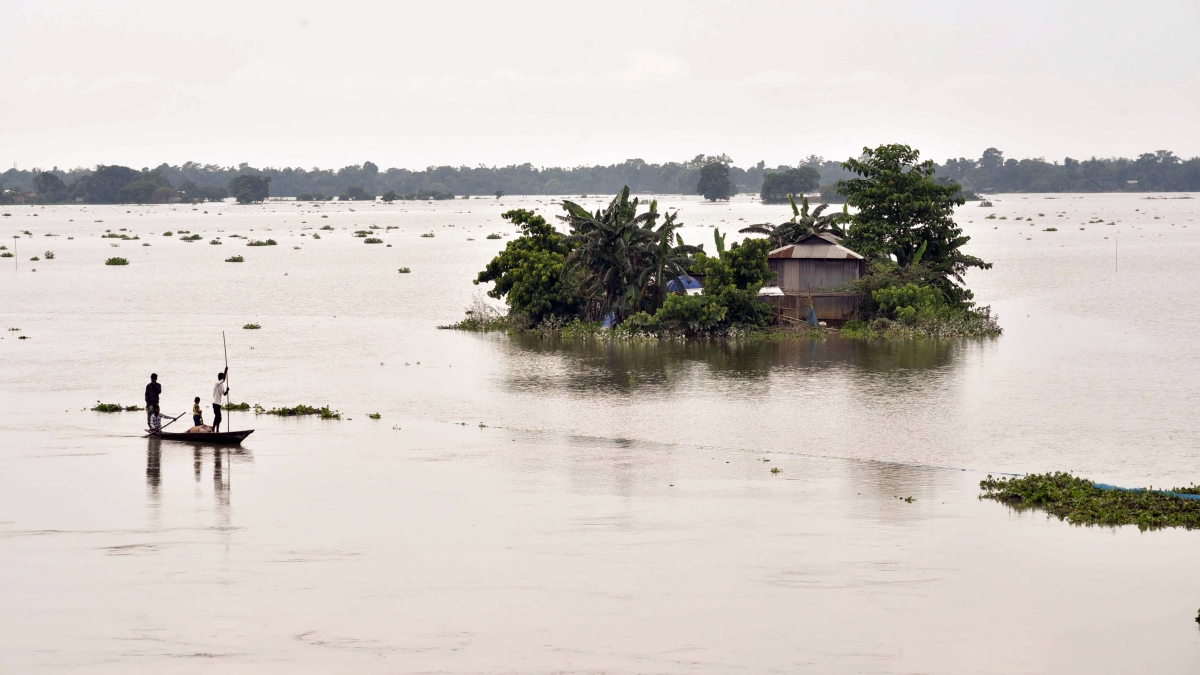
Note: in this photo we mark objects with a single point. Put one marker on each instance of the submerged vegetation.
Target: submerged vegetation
(300, 410)
(1154, 171)
(114, 407)
(1081, 502)
(626, 267)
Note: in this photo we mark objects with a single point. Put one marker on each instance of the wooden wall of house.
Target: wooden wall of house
(836, 308)
(807, 274)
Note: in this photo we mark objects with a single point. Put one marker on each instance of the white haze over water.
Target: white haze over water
(416, 84)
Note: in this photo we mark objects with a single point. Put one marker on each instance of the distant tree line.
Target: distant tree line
(714, 176)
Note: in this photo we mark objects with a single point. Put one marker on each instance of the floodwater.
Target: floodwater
(534, 506)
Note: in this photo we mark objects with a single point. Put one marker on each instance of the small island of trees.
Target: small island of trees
(627, 267)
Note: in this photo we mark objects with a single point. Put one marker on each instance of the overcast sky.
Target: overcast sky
(564, 83)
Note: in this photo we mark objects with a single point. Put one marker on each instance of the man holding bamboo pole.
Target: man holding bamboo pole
(220, 389)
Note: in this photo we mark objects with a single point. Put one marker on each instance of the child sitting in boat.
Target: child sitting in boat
(197, 414)
(155, 419)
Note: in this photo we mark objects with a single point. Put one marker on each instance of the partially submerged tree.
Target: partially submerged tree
(356, 193)
(906, 216)
(779, 186)
(714, 182)
(528, 273)
(248, 189)
(621, 259)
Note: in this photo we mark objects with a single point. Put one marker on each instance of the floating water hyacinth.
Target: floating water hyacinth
(324, 412)
(116, 261)
(236, 258)
(114, 407)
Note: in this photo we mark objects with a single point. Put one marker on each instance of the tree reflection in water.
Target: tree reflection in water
(589, 365)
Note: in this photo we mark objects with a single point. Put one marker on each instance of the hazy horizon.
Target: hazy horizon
(466, 83)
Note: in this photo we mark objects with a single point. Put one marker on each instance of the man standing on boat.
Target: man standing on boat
(220, 389)
(153, 390)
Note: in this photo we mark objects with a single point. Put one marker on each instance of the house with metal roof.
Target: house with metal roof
(816, 272)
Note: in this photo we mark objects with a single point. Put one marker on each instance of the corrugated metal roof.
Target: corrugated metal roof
(822, 246)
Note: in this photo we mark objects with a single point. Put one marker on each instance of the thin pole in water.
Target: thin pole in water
(229, 423)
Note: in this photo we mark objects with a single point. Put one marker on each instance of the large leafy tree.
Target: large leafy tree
(714, 182)
(779, 186)
(248, 188)
(142, 190)
(905, 215)
(621, 260)
(803, 223)
(49, 186)
(528, 273)
(103, 185)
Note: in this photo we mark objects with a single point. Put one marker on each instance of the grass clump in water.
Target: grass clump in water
(243, 406)
(49, 255)
(427, 234)
(374, 416)
(251, 326)
(404, 270)
(372, 240)
(168, 233)
(6, 254)
(236, 258)
(194, 237)
(301, 410)
(1080, 502)
(269, 242)
(116, 261)
(215, 242)
(493, 236)
(1050, 229)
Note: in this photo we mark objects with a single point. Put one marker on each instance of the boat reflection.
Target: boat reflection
(223, 460)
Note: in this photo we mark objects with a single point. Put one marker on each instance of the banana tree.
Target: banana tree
(623, 260)
(803, 223)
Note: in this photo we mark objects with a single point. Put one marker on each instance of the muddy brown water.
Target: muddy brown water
(529, 505)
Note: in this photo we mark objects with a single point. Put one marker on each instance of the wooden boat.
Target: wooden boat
(222, 438)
